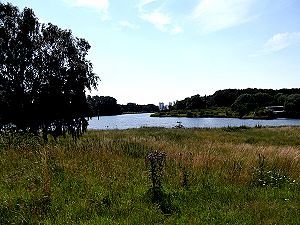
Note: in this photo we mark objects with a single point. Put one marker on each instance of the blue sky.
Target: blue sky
(147, 51)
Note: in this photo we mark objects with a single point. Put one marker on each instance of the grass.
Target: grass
(210, 176)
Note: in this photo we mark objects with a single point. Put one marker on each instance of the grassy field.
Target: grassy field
(200, 176)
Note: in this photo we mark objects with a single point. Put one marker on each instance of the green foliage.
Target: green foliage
(281, 98)
(248, 103)
(135, 108)
(43, 75)
(208, 112)
(194, 102)
(244, 104)
(106, 106)
(103, 106)
(292, 104)
(225, 97)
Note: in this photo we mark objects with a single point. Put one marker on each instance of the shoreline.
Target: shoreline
(222, 117)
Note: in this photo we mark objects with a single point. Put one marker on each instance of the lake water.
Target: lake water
(144, 120)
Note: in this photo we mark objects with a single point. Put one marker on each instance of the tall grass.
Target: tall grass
(210, 176)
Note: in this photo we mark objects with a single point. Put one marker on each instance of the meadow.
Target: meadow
(153, 176)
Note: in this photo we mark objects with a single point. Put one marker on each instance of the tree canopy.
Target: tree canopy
(103, 106)
(244, 101)
(136, 108)
(292, 105)
(44, 75)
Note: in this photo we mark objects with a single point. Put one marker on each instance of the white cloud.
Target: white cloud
(215, 15)
(128, 24)
(158, 19)
(279, 42)
(99, 5)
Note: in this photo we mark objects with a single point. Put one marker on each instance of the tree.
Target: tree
(292, 105)
(103, 106)
(225, 97)
(263, 99)
(135, 108)
(43, 77)
(281, 98)
(195, 102)
(244, 104)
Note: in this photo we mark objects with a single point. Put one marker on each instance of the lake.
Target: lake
(144, 120)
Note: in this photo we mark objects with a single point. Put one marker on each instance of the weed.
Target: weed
(264, 176)
(185, 162)
(156, 161)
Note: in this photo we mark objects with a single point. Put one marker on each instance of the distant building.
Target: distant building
(278, 110)
(161, 106)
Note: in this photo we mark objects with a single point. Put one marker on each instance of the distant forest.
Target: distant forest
(250, 102)
(106, 106)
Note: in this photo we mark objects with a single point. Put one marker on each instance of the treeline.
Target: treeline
(106, 106)
(135, 108)
(245, 101)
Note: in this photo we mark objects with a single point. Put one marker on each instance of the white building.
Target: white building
(161, 106)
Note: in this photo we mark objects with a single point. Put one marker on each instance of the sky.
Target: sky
(150, 51)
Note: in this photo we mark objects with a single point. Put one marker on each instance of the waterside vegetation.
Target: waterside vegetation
(107, 106)
(239, 103)
(234, 175)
